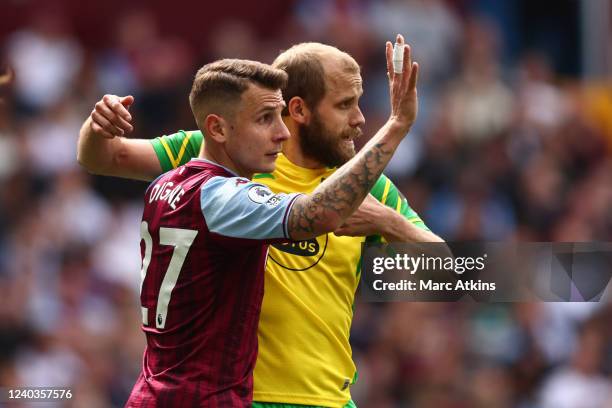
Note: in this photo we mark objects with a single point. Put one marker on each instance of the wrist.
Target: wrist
(398, 126)
(386, 219)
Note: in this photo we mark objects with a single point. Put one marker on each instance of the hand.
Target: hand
(110, 116)
(368, 219)
(402, 88)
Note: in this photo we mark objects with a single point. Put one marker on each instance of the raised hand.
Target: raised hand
(402, 86)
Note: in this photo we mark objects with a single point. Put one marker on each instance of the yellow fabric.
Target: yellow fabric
(398, 207)
(386, 192)
(304, 351)
(176, 161)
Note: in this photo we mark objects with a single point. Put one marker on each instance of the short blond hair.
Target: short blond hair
(304, 64)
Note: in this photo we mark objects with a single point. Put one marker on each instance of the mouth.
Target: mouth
(349, 142)
(351, 137)
(273, 154)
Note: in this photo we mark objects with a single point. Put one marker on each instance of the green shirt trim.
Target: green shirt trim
(264, 176)
(177, 149)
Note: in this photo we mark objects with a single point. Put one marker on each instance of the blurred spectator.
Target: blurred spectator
(504, 149)
(429, 26)
(46, 59)
(540, 103)
(481, 105)
(50, 140)
(580, 384)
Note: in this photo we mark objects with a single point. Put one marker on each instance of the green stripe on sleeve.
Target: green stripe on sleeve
(178, 148)
(394, 198)
(379, 187)
(162, 156)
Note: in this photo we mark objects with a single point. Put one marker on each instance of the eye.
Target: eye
(346, 104)
(265, 118)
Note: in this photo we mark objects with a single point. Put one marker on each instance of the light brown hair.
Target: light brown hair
(218, 86)
(304, 65)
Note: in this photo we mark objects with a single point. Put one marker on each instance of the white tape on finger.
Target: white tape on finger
(398, 58)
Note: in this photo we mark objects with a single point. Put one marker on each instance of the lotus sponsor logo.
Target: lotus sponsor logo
(306, 254)
(301, 248)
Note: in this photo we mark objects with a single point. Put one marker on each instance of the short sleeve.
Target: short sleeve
(387, 193)
(178, 148)
(238, 208)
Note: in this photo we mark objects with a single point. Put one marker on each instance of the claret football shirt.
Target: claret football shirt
(205, 235)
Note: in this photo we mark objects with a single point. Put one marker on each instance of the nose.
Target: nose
(357, 118)
(282, 133)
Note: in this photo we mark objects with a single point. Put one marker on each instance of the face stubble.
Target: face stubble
(331, 150)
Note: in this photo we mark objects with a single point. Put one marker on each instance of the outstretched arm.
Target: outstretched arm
(103, 149)
(372, 218)
(337, 197)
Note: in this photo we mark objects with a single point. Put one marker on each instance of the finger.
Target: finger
(389, 53)
(407, 58)
(127, 101)
(121, 119)
(400, 41)
(99, 130)
(414, 76)
(99, 119)
(104, 123)
(114, 102)
(120, 111)
(113, 117)
(407, 66)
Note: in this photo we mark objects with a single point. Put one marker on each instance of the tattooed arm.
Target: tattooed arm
(337, 197)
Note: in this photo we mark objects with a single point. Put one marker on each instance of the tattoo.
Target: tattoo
(340, 194)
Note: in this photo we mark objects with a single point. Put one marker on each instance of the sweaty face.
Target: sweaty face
(257, 131)
(336, 121)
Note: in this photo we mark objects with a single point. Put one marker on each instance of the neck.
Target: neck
(293, 150)
(219, 156)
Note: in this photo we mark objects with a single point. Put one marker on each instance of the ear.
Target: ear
(299, 111)
(215, 127)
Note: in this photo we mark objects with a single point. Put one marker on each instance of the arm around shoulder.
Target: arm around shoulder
(118, 157)
(102, 149)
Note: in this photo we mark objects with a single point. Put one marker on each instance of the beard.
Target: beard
(329, 149)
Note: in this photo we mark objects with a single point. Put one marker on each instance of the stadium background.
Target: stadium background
(513, 142)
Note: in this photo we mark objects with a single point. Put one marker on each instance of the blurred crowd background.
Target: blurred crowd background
(513, 142)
